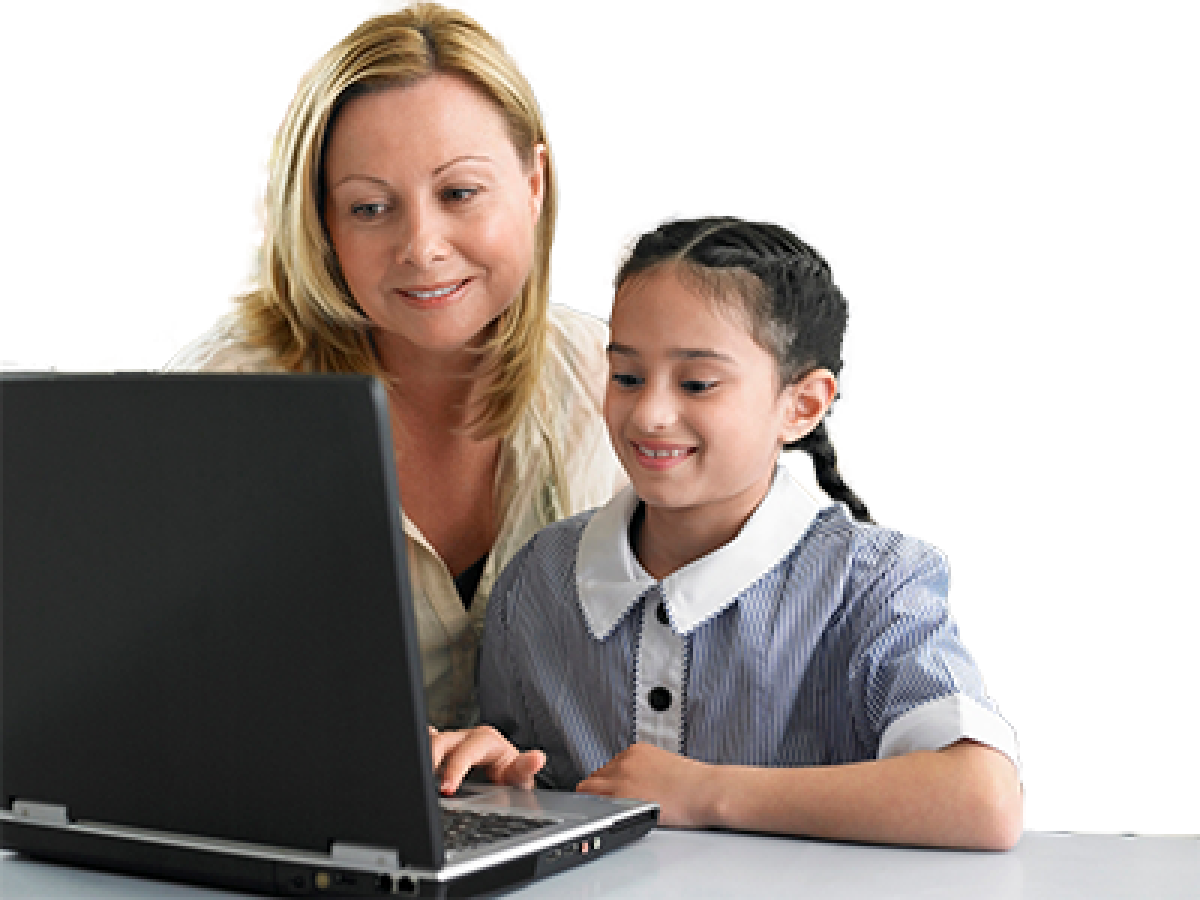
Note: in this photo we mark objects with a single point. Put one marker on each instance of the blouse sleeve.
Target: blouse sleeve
(914, 685)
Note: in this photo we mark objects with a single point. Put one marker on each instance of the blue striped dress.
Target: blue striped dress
(810, 639)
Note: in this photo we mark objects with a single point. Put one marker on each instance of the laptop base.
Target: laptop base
(277, 878)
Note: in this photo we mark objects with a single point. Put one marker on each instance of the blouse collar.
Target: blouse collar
(609, 578)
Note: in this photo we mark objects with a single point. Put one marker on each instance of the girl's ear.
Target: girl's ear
(806, 402)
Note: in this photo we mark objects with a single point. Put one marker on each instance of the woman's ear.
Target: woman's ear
(806, 402)
(537, 180)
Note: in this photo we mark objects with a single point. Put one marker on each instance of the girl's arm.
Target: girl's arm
(965, 796)
(455, 753)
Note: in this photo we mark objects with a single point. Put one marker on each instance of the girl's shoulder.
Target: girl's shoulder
(864, 549)
(224, 348)
(544, 564)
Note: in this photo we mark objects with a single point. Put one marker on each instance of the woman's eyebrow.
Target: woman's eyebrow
(459, 159)
(437, 172)
(356, 177)
(681, 353)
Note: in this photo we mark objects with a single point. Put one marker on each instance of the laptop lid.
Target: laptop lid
(152, 522)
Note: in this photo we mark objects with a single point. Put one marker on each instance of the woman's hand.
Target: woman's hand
(455, 753)
(645, 772)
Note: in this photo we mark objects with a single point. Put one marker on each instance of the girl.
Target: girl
(715, 638)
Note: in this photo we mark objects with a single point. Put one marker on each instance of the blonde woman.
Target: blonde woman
(410, 211)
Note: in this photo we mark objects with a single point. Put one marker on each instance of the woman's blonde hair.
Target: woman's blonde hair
(302, 309)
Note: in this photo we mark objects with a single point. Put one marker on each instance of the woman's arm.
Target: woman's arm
(965, 796)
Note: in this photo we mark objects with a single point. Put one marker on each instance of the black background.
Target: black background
(916, 168)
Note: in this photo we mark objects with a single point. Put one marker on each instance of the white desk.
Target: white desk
(683, 864)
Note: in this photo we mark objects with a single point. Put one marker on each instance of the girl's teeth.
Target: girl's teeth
(660, 454)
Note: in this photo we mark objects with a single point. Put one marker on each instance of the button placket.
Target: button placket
(659, 682)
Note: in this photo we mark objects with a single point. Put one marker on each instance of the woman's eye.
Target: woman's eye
(624, 380)
(368, 211)
(696, 386)
(458, 195)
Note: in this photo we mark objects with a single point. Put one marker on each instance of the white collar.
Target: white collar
(609, 578)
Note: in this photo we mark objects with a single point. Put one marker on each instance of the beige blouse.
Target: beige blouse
(557, 462)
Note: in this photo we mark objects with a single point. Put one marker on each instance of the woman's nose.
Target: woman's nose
(423, 243)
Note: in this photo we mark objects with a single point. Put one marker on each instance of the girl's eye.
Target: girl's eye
(367, 211)
(696, 386)
(625, 381)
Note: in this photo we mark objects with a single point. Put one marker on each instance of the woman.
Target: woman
(410, 212)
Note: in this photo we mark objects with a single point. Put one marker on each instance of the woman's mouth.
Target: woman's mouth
(434, 295)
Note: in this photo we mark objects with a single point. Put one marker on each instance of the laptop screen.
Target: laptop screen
(154, 525)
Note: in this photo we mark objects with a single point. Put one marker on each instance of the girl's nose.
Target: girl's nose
(654, 409)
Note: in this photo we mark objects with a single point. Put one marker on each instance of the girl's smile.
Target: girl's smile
(653, 455)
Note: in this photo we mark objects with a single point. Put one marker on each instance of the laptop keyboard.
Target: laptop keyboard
(464, 829)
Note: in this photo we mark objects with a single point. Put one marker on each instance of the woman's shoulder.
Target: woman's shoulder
(224, 348)
(576, 345)
(576, 328)
(568, 410)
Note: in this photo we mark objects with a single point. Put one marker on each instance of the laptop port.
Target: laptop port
(383, 884)
(405, 885)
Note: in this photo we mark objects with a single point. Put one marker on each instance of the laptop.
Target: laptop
(208, 660)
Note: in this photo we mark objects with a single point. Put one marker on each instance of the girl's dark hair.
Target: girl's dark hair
(784, 288)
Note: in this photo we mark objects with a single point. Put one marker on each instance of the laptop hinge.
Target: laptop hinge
(39, 813)
(358, 855)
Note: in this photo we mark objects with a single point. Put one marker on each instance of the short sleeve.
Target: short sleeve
(914, 685)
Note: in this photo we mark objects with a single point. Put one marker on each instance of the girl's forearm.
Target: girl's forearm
(964, 796)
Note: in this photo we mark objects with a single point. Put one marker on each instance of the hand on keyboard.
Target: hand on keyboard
(455, 753)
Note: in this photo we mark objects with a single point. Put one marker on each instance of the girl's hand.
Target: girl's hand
(455, 753)
(645, 772)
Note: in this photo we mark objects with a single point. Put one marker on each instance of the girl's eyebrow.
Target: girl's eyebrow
(681, 353)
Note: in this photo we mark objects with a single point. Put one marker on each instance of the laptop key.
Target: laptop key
(464, 829)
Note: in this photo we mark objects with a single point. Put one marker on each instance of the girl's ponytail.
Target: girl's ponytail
(818, 446)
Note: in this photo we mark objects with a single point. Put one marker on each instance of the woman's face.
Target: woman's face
(431, 212)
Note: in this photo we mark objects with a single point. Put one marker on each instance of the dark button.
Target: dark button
(660, 699)
(661, 612)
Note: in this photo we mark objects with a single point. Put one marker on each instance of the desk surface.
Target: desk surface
(687, 864)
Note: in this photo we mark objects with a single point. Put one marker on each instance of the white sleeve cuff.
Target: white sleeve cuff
(939, 723)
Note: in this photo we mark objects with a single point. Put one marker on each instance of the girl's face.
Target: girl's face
(693, 406)
(430, 211)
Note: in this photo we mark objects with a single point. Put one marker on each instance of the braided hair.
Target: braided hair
(785, 289)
